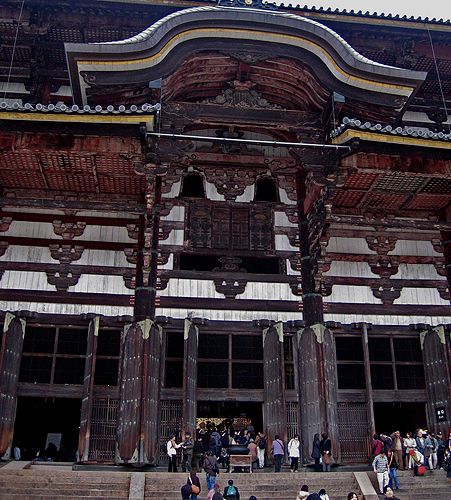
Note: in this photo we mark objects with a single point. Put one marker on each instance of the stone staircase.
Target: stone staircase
(265, 486)
(434, 485)
(47, 483)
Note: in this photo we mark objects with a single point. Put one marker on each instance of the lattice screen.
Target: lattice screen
(353, 431)
(103, 429)
(171, 419)
(292, 419)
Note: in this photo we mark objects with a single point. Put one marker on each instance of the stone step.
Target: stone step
(64, 492)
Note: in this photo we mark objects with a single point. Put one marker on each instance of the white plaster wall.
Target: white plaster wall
(268, 291)
(105, 233)
(282, 242)
(284, 197)
(421, 296)
(93, 283)
(247, 196)
(356, 294)
(409, 247)
(174, 192)
(224, 315)
(387, 319)
(281, 219)
(169, 264)
(351, 269)
(65, 308)
(212, 193)
(175, 238)
(177, 214)
(92, 257)
(338, 244)
(418, 272)
(25, 280)
(16, 253)
(178, 287)
(31, 230)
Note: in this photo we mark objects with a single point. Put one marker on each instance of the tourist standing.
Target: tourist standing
(278, 452)
(376, 445)
(252, 447)
(215, 442)
(187, 454)
(397, 448)
(431, 444)
(326, 451)
(231, 491)
(172, 447)
(440, 450)
(316, 452)
(294, 453)
(392, 466)
(380, 467)
(409, 444)
(261, 448)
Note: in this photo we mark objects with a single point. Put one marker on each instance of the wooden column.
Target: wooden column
(10, 357)
(316, 348)
(191, 340)
(139, 408)
(274, 406)
(88, 391)
(368, 383)
(435, 344)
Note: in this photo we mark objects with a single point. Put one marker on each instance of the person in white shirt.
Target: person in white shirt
(16, 452)
(294, 453)
(409, 444)
(172, 448)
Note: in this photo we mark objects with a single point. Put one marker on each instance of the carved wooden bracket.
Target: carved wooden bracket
(66, 254)
(133, 231)
(295, 262)
(164, 231)
(386, 291)
(293, 237)
(381, 242)
(230, 287)
(296, 286)
(326, 289)
(2, 272)
(440, 267)
(383, 265)
(444, 292)
(229, 264)
(129, 279)
(162, 282)
(62, 280)
(5, 222)
(437, 245)
(163, 257)
(68, 230)
(292, 214)
(288, 183)
(3, 247)
(231, 183)
(131, 254)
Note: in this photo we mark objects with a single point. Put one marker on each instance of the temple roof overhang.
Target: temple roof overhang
(158, 51)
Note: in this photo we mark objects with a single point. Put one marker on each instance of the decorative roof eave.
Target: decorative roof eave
(156, 52)
(405, 136)
(133, 115)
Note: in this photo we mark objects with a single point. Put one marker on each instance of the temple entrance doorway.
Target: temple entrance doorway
(399, 416)
(40, 421)
(240, 414)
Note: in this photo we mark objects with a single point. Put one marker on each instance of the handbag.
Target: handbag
(194, 488)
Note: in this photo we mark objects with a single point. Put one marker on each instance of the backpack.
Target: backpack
(262, 443)
(231, 491)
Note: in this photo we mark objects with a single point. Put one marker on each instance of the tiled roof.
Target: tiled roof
(354, 124)
(62, 108)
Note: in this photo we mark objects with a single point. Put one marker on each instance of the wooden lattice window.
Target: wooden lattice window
(171, 416)
(292, 418)
(103, 429)
(353, 431)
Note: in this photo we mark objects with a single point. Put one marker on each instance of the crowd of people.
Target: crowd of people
(418, 451)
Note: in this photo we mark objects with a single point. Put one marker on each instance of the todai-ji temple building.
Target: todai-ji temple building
(221, 210)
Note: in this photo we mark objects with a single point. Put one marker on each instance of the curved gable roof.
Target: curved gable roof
(157, 51)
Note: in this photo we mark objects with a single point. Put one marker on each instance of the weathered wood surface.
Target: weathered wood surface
(88, 391)
(274, 408)
(190, 378)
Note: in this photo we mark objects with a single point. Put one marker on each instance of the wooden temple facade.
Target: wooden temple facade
(216, 209)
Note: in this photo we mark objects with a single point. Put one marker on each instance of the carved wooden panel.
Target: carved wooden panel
(66, 254)
(88, 387)
(200, 225)
(239, 228)
(10, 356)
(103, 429)
(68, 230)
(220, 235)
(261, 234)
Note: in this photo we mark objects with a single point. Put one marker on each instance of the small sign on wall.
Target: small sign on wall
(440, 414)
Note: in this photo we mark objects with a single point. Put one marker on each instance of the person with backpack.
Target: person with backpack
(261, 448)
(278, 452)
(231, 491)
(215, 442)
(194, 483)
(211, 469)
